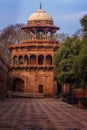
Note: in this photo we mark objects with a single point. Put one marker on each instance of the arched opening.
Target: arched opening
(40, 59)
(48, 35)
(26, 60)
(18, 85)
(40, 34)
(15, 60)
(48, 60)
(20, 60)
(31, 35)
(33, 60)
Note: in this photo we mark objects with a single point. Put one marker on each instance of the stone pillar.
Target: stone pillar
(24, 61)
(35, 33)
(29, 60)
(51, 35)
(36, 60)
(45, 34)
(44, 60)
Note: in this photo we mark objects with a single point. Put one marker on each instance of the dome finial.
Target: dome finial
(40, 6)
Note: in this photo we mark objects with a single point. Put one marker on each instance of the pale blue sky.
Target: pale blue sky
(66, 13)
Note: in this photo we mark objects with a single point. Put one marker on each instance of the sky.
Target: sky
(65, 13)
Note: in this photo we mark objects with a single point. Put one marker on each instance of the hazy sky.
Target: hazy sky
(66, 13)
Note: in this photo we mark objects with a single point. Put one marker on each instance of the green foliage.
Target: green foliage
(64, 60)
(80, 66)
(83, 22)
(84, 102)
(71, 62)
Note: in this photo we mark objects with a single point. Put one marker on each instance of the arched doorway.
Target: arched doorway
(18, 85)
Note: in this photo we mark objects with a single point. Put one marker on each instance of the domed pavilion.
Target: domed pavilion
(32, 68)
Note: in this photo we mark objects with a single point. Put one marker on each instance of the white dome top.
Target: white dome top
(40, 15)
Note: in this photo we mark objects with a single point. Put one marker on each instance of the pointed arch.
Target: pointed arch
(40, 59)
(20, 60)
(15, 60)
(32, 59)
(40, 33)
(18, 85)
(26, 59)
(48, 60)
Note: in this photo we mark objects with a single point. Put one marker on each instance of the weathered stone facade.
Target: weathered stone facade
(32, 68)
(32, 80)
(3, 77)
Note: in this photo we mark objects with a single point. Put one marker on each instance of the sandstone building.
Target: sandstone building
(3, 77)
(32, 68)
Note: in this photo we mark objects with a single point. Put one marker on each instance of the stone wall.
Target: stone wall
(39, 81)
(3, 77)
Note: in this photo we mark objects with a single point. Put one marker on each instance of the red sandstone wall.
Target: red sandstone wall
(32, 80)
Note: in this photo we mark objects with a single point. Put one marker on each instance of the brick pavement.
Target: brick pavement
(40, 114)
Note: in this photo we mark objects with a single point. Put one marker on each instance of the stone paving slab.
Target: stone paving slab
(40, 114)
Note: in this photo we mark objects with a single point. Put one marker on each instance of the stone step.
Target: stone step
(26, 95)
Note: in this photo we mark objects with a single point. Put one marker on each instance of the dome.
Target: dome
(40, 15)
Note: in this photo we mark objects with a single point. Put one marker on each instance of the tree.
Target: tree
(83, 22)
(79, 34)
(60, 37)
(80, 62)
(10, 35)
(80, 66)
(64, 60)
(71, 62)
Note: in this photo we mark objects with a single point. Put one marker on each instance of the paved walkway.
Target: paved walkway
(40, 114)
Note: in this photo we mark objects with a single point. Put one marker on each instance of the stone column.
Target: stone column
(29, 60)
(45, 34)
(51, 35)
(36, 60)
(35, 33)
(44, 60)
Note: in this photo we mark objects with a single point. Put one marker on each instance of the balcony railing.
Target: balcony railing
(28, 43)
(31, 66)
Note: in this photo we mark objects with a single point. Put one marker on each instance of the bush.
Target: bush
(84, 102)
